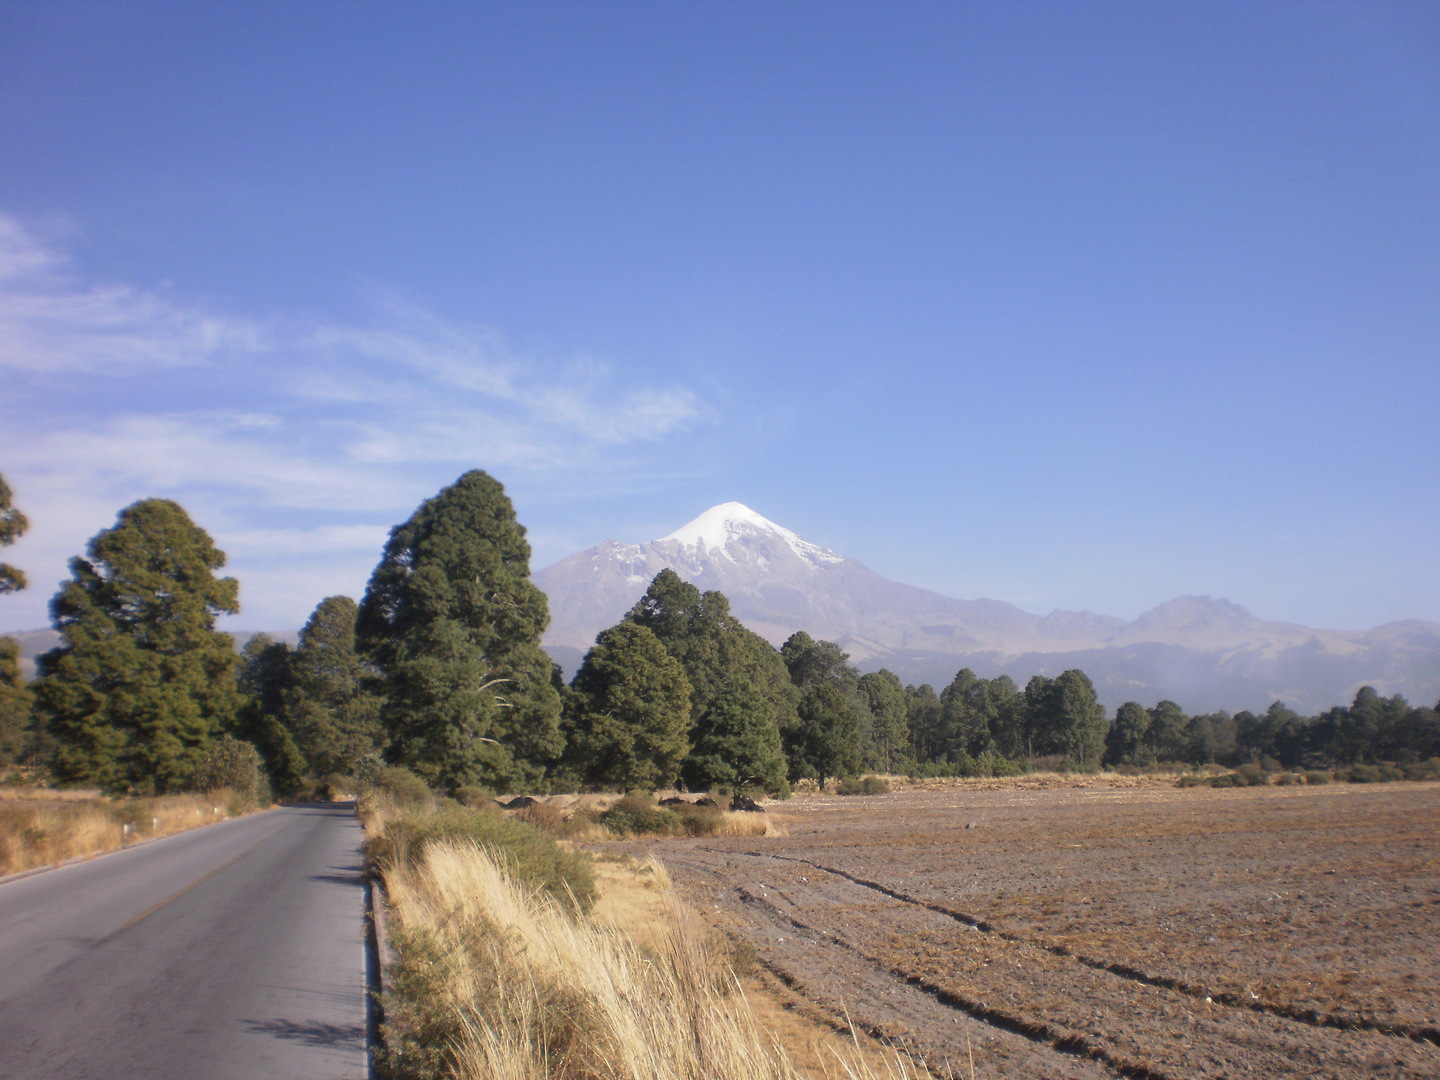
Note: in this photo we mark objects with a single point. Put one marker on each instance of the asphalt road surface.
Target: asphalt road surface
(230, 952)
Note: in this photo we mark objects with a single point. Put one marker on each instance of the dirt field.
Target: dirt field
(1120, 928)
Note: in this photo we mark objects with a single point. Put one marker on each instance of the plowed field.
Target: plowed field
(1104, 930)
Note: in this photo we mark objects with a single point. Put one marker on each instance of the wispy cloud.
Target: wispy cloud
(51, 322)
(293, 438)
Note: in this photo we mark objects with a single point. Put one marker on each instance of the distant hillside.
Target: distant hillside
(1205, 654)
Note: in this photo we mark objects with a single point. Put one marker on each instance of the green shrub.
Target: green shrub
(473, 795)
(400, 786)
(640, 814)
(230, 763)
(1369, 774)
(1196, 779)
(1285, 779)
(1317, 776)
(865, 785)
(544, 817)
(532, 856)
(1251, 775)
(698, 820)
(134, 813)
(994, 763)
(1422, 770)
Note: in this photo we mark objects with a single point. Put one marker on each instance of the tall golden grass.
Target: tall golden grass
(499, 982)
(40, 827)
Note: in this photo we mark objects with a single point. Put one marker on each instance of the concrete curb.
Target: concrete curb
(379, 955)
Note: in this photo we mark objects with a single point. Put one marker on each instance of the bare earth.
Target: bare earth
(1103, 928)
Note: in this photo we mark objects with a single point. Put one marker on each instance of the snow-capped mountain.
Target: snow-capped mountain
(1203, 653)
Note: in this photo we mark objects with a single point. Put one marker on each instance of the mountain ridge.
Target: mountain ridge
(1204, 652)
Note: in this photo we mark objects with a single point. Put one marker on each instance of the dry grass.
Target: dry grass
(741, 823)
(39, 827)
(495, 981)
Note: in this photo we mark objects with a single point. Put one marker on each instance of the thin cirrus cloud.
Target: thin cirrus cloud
(51, 322)
(314, 436)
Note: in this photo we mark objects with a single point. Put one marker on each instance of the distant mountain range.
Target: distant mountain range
(1205, 654)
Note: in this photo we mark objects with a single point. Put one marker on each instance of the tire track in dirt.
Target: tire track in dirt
(1066, 1042)
(899, 1011)
(1312, 1017)
(1088, 1018)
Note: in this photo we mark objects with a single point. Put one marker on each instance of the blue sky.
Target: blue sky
(1071, 305)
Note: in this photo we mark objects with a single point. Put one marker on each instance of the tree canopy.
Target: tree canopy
(328, 704)
(890, 731)
(630, 710)
(737, 744)
(715, 648)
(142, 680)
(12, 526)
(1128, 740)
(452, 622)
(15, 697)
(15, 702)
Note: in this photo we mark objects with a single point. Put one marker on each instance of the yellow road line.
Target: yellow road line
(198, 881)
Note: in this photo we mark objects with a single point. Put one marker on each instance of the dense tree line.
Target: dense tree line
(1371, 729)
(439, 668)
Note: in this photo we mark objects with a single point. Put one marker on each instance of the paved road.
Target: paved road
(232, 952)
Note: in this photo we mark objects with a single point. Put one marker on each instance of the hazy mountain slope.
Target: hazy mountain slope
(1203, 653)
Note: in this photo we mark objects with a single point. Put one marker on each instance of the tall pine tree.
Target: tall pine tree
(453, 623)
(630, 709)
(329, 706)
(14, 696)
(142, 680)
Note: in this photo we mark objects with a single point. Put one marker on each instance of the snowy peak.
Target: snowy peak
(722, 528)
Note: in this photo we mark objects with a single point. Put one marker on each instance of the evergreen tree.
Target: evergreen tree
(630, 711)
(1210, 738)
(328, 705)
(453, 623)
(1168, 724)
(1081, 718)
(15, 702)
(1007, 707)
(142, 680)
(14, 696)
(890, 735)
(828, 740)
(12, 526)
(1064, 717)
(812, 663)
(967, 715)
(737, 745)
(925, 716)
(1038, 726)
(1128, 742)
(715, 649)
(263, 680)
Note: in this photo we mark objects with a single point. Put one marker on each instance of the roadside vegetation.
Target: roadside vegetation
(42, 826)
(501, 969)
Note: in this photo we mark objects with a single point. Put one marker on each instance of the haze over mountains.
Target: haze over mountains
(1205, 654)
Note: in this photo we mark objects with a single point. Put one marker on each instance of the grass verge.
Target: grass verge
(498, 979)
(506, 969)
(39, 827)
